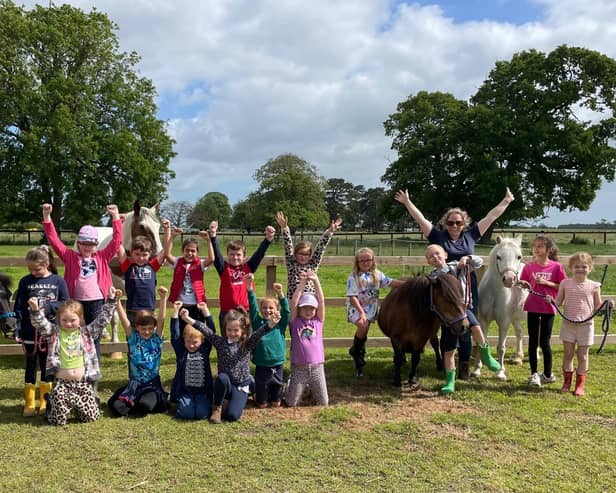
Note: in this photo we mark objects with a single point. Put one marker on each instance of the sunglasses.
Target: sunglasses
(455, 223)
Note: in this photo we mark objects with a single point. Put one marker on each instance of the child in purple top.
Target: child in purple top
(307, 351)
(543, 276)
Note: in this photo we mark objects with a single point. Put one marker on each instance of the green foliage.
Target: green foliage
(286, 183)
(527, 127)
(212, 206)
(78, 126)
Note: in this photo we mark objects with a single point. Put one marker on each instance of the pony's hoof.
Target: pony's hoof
(518, 360)
(414, 383)
(501, 375)
(476, 373)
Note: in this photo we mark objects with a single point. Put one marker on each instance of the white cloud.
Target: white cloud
(317, 79)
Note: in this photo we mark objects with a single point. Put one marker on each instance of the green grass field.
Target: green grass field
(489, 436)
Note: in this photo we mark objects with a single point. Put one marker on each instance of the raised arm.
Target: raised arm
(51, 233)
(287, 242)
(169, 247)
(163, 294)
(303, 279)
(164, 253)
(318, 291)
(402, 196)
(484, 224)
(116, 239)
(207, 237)
(122, 315)
(255, 259)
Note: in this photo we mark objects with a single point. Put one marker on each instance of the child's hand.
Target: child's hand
(213, 229)
(118, 293)
(310, 275)
(33, 304)
(113, 293)
(202, 306)
(281, 219)
(335, 225)
(508, 196)
(166, 224)
(249, 278)
(113, 211)
(549, 299)
(273, 320)
(205, 235)
(47, 210)
(524, 284)
(269, 233)
(278, 288)
(176, 231)
(162, 291)
(184, 314)
(177, 305)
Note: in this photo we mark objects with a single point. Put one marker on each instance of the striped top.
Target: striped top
(578, 301)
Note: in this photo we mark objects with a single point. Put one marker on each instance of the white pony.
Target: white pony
(501, 300)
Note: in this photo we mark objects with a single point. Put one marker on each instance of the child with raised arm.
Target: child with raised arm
(269, 354)
(307, 350)
(542, 276)
(192, 385)
(233, 292)
(580, 297)
(302, 258)
(233, 348)
(144, 392)
(44, 284)
(86, 271)
(362, 304)
(187, 285)
(139, 269)
(72, 357)
(437, 258)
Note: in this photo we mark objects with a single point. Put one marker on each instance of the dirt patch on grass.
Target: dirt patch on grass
(364, 409)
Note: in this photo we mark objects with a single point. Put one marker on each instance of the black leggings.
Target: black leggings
(539, 335)
(32, 358)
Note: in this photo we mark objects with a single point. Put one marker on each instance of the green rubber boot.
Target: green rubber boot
(450, 382)
(487, 359)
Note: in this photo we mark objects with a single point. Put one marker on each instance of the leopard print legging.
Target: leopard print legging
(68, 395)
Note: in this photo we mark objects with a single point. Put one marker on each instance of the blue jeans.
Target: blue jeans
(224, 389)
(268, 384)
(193, 405)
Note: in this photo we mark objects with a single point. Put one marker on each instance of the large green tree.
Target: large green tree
(78, 126)
(290, 184)
(542, 124)
(212, 206)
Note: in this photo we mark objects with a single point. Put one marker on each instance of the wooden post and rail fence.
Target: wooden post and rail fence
(271, 263)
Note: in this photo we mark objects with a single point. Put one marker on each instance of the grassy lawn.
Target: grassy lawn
(489, 436)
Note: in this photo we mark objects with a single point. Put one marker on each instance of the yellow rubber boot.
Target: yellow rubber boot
(29, 393)
(44, 389)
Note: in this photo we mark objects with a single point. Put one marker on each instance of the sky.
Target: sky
(242, 81)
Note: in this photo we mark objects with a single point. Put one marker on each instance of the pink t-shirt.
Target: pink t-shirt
(554, 272)
(307, 341)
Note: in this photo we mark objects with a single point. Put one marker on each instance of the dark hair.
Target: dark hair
(550, 246)
(141, 243)
(189, 241)
(236, 245)
(238, 313)
(145, 318)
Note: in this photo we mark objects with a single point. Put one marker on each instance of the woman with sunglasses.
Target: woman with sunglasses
(458, 238)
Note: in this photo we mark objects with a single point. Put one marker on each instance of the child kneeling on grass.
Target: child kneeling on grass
(307, 350)
(233, 348)
(72, 357)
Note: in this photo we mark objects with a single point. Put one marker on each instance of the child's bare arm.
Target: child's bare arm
(122, 315)
(164, 253)
(163, 293)
(319, 294)
(174, 233)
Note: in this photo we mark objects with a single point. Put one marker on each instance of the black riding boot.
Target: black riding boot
(358, 353)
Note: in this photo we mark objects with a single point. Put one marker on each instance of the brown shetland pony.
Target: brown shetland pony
(411, 315)
(7, 316)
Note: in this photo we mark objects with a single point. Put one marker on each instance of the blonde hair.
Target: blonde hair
(432, 246)
(190, 332)
(72, 306)
(42, 255)
(269, 298)
(300, 245)
(455, 210)
(373, 270)
(581, 257)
